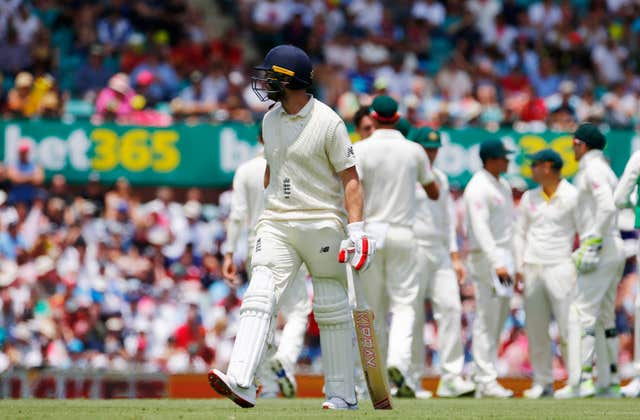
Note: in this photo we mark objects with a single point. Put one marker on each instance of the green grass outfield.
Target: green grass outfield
(310, 409)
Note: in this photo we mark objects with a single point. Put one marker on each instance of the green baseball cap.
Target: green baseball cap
(547, 155)
(426, 137)
(493, 148)
(589, 134)
(404, 126)
(385, 109)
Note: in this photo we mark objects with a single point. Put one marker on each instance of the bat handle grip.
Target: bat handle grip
(361, 302)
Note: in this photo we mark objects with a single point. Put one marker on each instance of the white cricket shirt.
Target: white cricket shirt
(389, 166)
(547, 225)
(247, 200)
(435, 218)
(595, 182)
(489, 215)
(305, 152)
(628, 181)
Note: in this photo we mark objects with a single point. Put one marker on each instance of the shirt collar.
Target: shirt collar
(387, 133)
(558, 192)
(306, 109)
(593, 154)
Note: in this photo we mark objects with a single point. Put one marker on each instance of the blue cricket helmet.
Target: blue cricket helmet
(284, 66)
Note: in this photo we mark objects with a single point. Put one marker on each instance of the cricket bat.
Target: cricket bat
(372, 364)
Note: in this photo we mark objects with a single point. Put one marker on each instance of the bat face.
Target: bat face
(372, 365)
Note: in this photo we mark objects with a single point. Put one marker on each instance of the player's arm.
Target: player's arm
(478, 216)
(426, 177)
(353, 200)
(237, 215)
(521, 228)
(267, 176)
(629, 179)
(342, 157)
(605, 208)
(450, 225)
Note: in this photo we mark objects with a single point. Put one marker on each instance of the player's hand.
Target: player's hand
(358, 248)
(519, 282)
(587, 257)
(459, 269)
(503, 276)
(229, 271)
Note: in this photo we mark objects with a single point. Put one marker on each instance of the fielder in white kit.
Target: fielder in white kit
(246, 206)
(545, 232)
(390, 166)
(599, 261)
(489, 216)
(622, 197)
(439, 271)
(310, 180)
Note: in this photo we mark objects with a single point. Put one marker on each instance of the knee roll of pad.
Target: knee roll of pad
(260, 297)
(331, 304)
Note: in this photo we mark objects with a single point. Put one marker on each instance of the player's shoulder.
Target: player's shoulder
(272, 114)
(325, 111)
(251, 165)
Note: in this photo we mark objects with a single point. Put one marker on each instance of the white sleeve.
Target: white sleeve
(605, 209)
(521, 228)
(425, 173)
(450, 215)
(238, 213)
(477, 210)
(629, 179)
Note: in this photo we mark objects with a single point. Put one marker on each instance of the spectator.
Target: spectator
(26, 24)
(116, 100)
(165, 80)
(18, 97)
(607, 58)
(25, 175)
(12, 244)
(114, 29)
(94, 74)
(14, 57)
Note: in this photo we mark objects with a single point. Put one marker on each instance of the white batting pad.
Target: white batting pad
(255, 319)
(333, 315)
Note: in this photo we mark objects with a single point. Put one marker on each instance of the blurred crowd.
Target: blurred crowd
(100, 279)
(487, 63)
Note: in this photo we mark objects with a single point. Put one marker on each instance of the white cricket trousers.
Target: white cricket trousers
(491, 314)
(594, 309)
(281, 248)
(438, 282)
(390, 286)
(547, 291)
(295, 306)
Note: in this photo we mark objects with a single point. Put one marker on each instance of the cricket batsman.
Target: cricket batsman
(246, 207)
(599, 261)
(312, 190)
(390, 167)
(544, 237)
(489, 216)
(622, 198)
(439, 271)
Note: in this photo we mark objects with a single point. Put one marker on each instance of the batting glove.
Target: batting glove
(587, 257)
(358, 248)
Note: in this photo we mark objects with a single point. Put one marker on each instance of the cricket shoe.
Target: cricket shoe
(226, 386)
(492, 390)
(586, 389)
(286, 382)
(337, 403)
(538, 391)
(632, 389)
(398, 379)
(423, 394)
(611, 391)
(454, 387)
